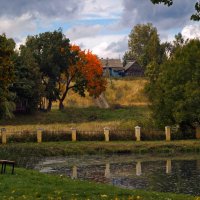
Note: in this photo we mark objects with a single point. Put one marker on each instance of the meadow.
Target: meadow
(128, 108)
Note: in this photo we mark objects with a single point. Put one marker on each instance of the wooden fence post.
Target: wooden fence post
(3, 136)
(106, 133)
(138, 133)
(73, 134)
(39, 135)
(168, 133)
(198, 132)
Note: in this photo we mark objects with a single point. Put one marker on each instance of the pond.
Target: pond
(180, 174)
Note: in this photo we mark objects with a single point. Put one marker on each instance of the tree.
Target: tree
(84, 74)
(28, 82)
(6, 76)
(144, 45)
(195, 16)
(51, 51)
(176, 95)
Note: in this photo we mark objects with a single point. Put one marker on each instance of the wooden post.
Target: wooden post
(138, 133)
(39, 135)
(198, 132)
(106, 133)
(73, 134)
(3, 136)
(168, 133)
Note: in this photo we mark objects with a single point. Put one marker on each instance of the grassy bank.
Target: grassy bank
(91, 118)
(14, 151)
(27, 184)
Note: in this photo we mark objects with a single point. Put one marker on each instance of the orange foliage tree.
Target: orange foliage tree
(83, 74)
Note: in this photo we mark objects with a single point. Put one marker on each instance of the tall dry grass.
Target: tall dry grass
(125, 92)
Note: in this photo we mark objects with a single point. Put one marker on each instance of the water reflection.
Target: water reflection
(163, 174)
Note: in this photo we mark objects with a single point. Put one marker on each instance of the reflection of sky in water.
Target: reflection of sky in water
(162, 174)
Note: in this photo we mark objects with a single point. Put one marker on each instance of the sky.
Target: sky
(102, 26)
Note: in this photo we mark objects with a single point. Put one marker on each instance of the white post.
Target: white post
(39, 135)
(107, 171)
(138, 133)
(168, 133)
(198, 132)
(74, 172)
(73, 134)
(106, 133)
(138, 168)
(3, 136)
(168, 166)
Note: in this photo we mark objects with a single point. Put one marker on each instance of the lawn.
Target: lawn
(31, 185)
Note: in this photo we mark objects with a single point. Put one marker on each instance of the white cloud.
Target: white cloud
(102, 9)
(100, 45)
(191, 31)
(18, 26)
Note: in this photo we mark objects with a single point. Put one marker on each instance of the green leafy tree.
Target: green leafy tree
(195, 16)
(52, 52)
(176, 94)
(6, 76)
(144, 45)
(28, 82)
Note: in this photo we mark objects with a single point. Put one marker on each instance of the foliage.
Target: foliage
(6, 76)
(195, 16)
(28, 83)
(51, 51)
(176, 95)
(144, 45)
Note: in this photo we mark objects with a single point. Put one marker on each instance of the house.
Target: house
(112, 67)
(115, 68)
(132, 68)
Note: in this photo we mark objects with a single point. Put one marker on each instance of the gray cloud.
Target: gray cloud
(118, 46)
(44, 8)
(162, 16)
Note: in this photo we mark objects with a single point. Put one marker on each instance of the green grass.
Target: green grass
(19, 150)
(82, 118)
(31, 185)
(78, 115)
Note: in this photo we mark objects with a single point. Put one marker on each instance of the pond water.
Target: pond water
(180, 174)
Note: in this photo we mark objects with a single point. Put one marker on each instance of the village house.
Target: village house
(115, 68)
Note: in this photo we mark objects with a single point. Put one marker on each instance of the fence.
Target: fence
(106, 134)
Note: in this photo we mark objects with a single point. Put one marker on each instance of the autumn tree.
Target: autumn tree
(6, 76)
(83, 74)
(195, 16)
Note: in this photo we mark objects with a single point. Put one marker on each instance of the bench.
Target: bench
(7, 162)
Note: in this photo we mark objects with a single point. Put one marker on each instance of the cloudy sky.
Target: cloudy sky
(102, 26)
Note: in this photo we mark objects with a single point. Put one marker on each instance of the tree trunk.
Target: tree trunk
(49, 105)
(61, 105)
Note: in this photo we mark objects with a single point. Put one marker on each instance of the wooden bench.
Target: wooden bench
(4, 163)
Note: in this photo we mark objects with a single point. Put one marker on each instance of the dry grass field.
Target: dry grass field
(128, 107)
